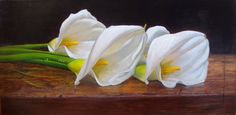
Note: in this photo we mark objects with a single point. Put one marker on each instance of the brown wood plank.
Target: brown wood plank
(230, 83)
(230, 75)
(31, 89)
(41, 81)
(216, 68)
(136, 105)
(214, 84)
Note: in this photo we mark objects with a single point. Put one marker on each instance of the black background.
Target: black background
(38, 21)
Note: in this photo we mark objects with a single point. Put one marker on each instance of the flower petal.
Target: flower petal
(80, 26)
(192, 61)
(122, 47)
(80, 51)
(153, 33)
(188, 49)
(50, 49)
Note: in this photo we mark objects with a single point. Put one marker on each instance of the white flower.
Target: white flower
(77, 35)
(153, 33)
(176, 58)
(114, 55)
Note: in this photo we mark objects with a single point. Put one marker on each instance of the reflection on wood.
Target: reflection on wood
(28, 89)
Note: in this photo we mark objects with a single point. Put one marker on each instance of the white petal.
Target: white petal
(192, 63)
(80, 51)
(84, 29)
(80, 26)
(198, 76)
(158, 50)
(50, 49)
(122, 47)
(189, 50)
(153, 33)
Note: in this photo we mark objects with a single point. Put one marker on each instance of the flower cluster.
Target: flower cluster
(112, 55)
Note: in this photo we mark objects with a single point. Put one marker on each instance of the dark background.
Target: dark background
(37, 21)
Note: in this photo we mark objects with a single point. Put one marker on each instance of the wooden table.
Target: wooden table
(33, 89)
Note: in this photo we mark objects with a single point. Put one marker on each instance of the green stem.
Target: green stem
(29, 46)
(48, 63)
(14, 50)
(30, 56)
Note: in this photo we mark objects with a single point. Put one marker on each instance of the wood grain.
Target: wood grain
(35, 89)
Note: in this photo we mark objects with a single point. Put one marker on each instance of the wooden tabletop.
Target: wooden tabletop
(36, 89)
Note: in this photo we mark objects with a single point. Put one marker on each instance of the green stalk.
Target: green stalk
(29, 46)
(14, 50)
(48, 63)
(30, 56)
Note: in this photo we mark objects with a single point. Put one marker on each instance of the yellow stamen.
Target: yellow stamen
(169, 70)
(66, 42)
(69, 43)
(102, 62)
(100, 66)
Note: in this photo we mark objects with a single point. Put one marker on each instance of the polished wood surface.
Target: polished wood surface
(34, 89)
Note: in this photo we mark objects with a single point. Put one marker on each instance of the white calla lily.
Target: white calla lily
(115, 55)
(176, 58)
(77, 35)
(153, 33)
